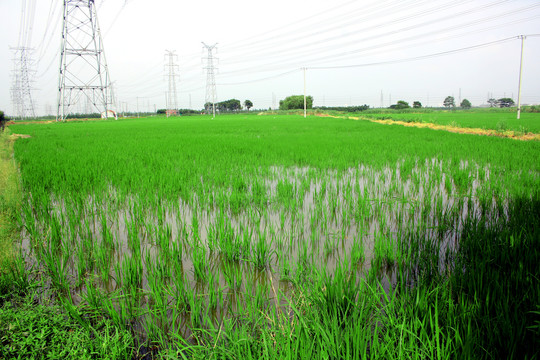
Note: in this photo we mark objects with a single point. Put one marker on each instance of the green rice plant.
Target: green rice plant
(130, 271)
(200, 262)
(213, 295)
(14, 278)
(501, 126)
(92, 296)
(82, 267)
(330, 244)
(336, 294)
(195, 226)
(229, 243)
(357, 252)
(285, 266)
(262, 250)
(197, 311)
(233, 275)
(103, 257)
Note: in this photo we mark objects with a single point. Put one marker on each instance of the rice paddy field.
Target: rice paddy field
(488, 119)
(275, 236)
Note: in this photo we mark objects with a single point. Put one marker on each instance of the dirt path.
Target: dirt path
(19, 136)
(454, 129)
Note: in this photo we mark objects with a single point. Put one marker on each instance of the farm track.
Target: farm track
(454, 129)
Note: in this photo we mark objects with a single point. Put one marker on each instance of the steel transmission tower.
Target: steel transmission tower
(171, 67)
(210, 80)
(21, 89)
(83, 70)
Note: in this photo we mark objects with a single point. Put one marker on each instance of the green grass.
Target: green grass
(276, 236)
(33, 331)
(10, 197)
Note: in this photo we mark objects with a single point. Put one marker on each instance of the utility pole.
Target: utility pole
(305, 101)
(21, 89)
(83, 72)
(520, 77)
(171, 68)
(210, 80)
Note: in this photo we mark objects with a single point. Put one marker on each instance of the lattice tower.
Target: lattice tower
(211, 93)
(171, 69)
(84, 74)
(21, 88)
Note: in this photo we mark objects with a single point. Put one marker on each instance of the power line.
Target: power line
(419, 57)
(263, 79)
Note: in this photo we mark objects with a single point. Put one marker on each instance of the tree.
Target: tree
(208, 107)
(400, 105)
(493, 102)
(465, 104)
(505, 102)
(449, 102)
(295, 102)
(3, 120)
(248, 104)
(417, 104)
(229, 105)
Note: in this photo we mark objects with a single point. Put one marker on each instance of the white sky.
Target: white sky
(258, 40)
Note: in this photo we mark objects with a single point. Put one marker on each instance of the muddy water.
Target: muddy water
(312, 222)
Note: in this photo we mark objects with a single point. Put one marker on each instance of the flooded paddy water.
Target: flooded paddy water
(157, 265)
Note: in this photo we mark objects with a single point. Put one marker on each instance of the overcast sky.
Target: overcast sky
(354, 51)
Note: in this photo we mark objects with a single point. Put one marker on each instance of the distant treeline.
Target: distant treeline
(180, 112)
(358, 108)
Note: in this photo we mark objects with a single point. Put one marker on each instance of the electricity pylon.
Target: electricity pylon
(83, 68)
(210, 80)
(171, 67)
(21, 89)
